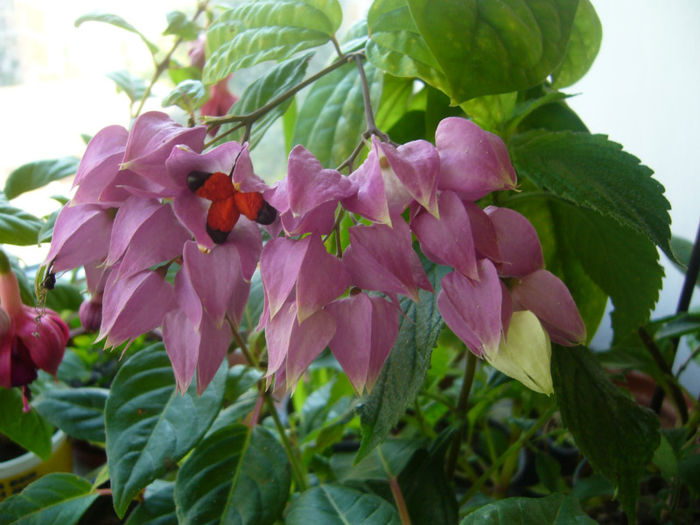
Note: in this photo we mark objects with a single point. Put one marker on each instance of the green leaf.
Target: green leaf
(396, 94)
(596, 173)
(179, 24)
(485, 48)
(240, 379)
(79, 412)
(617, 436)
(584, 44)
(158, 506)
(275, 82)
(188, 95)
(149, 425)
(397, 47)
(38, 174)
(255, 31)
(491, 112)
(338, 505)
(119, 22)
(331, 120)
(395, 454)
(682, 250)
(29, 430)
(234, 476)
(54, 499)
(555, 509)
(429, 495)
(404, 370)
(621, 261)
(133, 86)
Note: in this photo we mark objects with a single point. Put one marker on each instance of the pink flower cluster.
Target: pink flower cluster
(141, 231)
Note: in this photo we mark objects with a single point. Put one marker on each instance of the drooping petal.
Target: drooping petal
(322, 277)
(352, 343)
(191, 211)
(546, 296)
(244, 178)
(518, 244)
(280, 263)
(278, 332)
(525, 353)
(370, 201)
(484, 232)
(473, 309)
(247, 239)
(211, 274)
(319, 220)
(134, 305)
(382, 258)
(182, 339)
(385, 329)
(151, 140)
(449, 239)
(309, 185)
(80, 236)
(417, 165)
(182, 161)
(187, 298)
(103, 153)
(307, 340)
(212, 351)
(473, 162)
(145, 233)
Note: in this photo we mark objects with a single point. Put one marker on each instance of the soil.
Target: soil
(10, 450)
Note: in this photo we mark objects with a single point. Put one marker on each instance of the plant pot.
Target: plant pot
(17, 473)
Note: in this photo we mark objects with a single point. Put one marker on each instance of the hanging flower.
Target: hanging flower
(31, 338)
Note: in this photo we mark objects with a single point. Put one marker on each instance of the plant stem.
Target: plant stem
(670, 381)
(691, 277)
(510, 450)
(253, 116)
(395, 490)
(297, 469)
(461, 411)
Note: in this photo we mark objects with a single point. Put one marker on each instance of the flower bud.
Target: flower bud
(90, 314)
(525, 353)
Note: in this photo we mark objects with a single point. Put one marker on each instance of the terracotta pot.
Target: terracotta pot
(17, 473)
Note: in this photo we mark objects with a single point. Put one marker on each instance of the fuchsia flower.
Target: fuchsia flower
(30, 338)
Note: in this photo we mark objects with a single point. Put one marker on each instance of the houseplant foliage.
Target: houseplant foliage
(423, 280)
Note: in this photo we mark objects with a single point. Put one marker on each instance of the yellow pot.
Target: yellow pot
(19, 472)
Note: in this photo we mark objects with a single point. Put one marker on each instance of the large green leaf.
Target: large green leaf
(596, 173)
(17, 226)
(617, 436)
(64, 296)
(54, 499)
(29, 430)
(621, 261)
(157, 507)
(584, 44)
(149, 425)
(275, 82)
(255, 31)
(337, 505)
(331, 121)
(79, 412)
(555, 509)
(235, 476)
(397, 47)
(404, 370)
(116, 21)
(38, 174)
(485, 47)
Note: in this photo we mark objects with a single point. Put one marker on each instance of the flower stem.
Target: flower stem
(461, 412)
(395, 490)
(297, 468)
(253, 116)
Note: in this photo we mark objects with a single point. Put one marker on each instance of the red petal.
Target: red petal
(217, 187)
(223, 215)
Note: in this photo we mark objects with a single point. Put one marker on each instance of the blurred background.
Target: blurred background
(641, 92)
